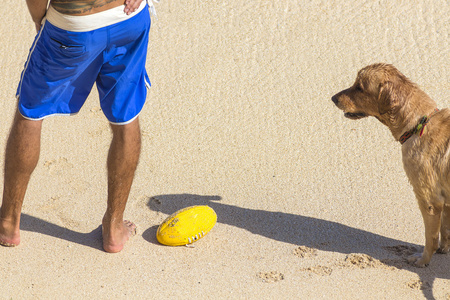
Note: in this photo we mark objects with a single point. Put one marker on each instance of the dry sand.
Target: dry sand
(310, 205)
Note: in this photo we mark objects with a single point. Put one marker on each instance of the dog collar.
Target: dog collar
(418, 128)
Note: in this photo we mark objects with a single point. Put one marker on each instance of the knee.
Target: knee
(26, 125)
(128, 136)
(130, 130)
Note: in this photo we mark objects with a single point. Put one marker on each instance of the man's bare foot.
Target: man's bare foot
(9, 235)
(115, 238)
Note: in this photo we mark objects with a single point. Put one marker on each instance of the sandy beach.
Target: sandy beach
(239, 117)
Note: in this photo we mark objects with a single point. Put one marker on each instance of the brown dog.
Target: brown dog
(381, 91)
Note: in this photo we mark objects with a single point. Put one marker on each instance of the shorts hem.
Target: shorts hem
(47, 116)
(148, 86)
(126, 122)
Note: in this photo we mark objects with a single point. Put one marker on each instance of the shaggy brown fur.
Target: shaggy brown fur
(381, 91)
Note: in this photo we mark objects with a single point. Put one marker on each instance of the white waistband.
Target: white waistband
(90, 22)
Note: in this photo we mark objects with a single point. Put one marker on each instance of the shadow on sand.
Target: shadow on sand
(92, 239)
(289, 228)
(302, 231)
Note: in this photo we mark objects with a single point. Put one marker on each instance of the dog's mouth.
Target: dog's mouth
(354, 116)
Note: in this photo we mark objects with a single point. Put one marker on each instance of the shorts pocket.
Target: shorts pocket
(67, 49)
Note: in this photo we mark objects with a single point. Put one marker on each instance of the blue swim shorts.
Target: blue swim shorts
(70, 53)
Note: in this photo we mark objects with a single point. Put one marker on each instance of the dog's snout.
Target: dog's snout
(335, 99)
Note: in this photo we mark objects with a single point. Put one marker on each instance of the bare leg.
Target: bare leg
(122, 162)
(21, 157)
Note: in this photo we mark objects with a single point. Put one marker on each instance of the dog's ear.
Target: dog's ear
(389, 97)
(393, 92)
(385, 97)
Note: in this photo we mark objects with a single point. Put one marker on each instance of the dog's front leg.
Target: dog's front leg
(444, 246)
(432, 220)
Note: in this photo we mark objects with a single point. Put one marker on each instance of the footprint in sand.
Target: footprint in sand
(401, 250)
(304, 252)
(361, 261)
(364, 261)
(270, 277)
(57, 167)
(420, 285)
(50, 204)
(67, 221)
(319, 270)
(100, 130)
(56, 205)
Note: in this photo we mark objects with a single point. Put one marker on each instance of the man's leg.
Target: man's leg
(21, 157)
(123, 158)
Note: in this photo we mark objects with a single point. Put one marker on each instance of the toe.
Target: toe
(131, 227)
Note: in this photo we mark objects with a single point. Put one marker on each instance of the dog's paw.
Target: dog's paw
(417, 260)
(443, 250)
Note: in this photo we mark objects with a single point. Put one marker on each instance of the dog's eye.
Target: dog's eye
(358, 88)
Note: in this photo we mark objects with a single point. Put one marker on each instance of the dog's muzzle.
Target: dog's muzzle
(349, 115)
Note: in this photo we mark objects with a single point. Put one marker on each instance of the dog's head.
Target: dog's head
(378, 90)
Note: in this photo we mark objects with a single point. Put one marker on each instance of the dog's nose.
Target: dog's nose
(335, 99)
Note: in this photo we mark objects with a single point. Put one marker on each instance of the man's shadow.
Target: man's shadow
(91, 239)
(305, 231)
